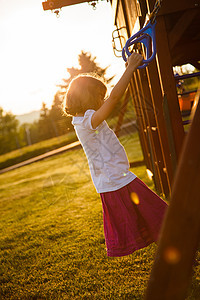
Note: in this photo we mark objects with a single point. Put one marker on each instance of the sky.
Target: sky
(37, 47)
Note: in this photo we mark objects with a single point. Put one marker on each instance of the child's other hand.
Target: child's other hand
(134, 60)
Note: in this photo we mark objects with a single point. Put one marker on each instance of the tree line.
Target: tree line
(52, 122)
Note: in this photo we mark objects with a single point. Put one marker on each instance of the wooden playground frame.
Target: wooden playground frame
(153, 89)
(169, 153)
(172, 157)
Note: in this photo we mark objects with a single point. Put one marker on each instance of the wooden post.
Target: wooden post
(141, 125)
(154, 128)
(180, 237)
(152, 133)
(157, 100)
(142, 104)
(168, 84)
(120, 9)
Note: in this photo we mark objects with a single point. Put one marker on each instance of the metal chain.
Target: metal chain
(155, 11)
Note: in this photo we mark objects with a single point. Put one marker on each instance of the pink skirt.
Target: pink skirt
(132, 216)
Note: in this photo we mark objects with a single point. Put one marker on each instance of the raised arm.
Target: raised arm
(117, 92)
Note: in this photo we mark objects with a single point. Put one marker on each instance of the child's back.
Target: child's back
(107, 159)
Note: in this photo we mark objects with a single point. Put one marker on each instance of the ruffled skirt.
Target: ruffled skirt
(133, 217)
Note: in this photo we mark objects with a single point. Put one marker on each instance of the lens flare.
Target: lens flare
(172, 255)
(149, 174)
(135, 198)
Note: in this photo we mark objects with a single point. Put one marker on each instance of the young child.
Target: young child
(132, 213)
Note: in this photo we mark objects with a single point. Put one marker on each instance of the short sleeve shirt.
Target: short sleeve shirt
(108, 162)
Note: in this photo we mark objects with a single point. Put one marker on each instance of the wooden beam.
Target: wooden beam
(186, 53)
(55, 4)
(131, 12)
(114, 4)
(172, 269)
(141, 125)
(172, 6)
(147, 114)
(170, 133)
(153, 134)
(120, 20)
(157, 99)
(181, 25)
(168, 84)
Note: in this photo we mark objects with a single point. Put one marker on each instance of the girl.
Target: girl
(132, 213)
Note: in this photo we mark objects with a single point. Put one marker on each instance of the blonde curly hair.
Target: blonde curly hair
(85, 92)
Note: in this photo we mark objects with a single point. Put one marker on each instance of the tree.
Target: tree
(87, 64)
(52, 121)
(8, 132)
(45, 127)
(61, 123)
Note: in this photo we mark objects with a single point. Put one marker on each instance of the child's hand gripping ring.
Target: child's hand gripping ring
(146, 36)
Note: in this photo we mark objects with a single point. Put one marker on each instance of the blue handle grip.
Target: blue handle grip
(146, 36)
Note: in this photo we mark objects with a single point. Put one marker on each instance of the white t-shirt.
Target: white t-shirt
(107, 158)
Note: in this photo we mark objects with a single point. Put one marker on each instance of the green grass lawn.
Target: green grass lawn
(51, 235)
(17, 156)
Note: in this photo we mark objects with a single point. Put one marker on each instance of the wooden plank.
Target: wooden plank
(171, 6)
(172, 269)
(157, 98)
(168, 122)
(186, 53)
(149, 138)
(132, 12)
(143, 6)
(168, 83)
(120, 21)
(125, 13)
(181, 25)
(148, 107)
(55, 4)
(146, 112)
(150, 5)
(141, 125)
(154, 110)
(114, 4)
(143, 9)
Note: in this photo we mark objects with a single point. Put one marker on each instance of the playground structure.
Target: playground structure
(153, 89)
(172, 156)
